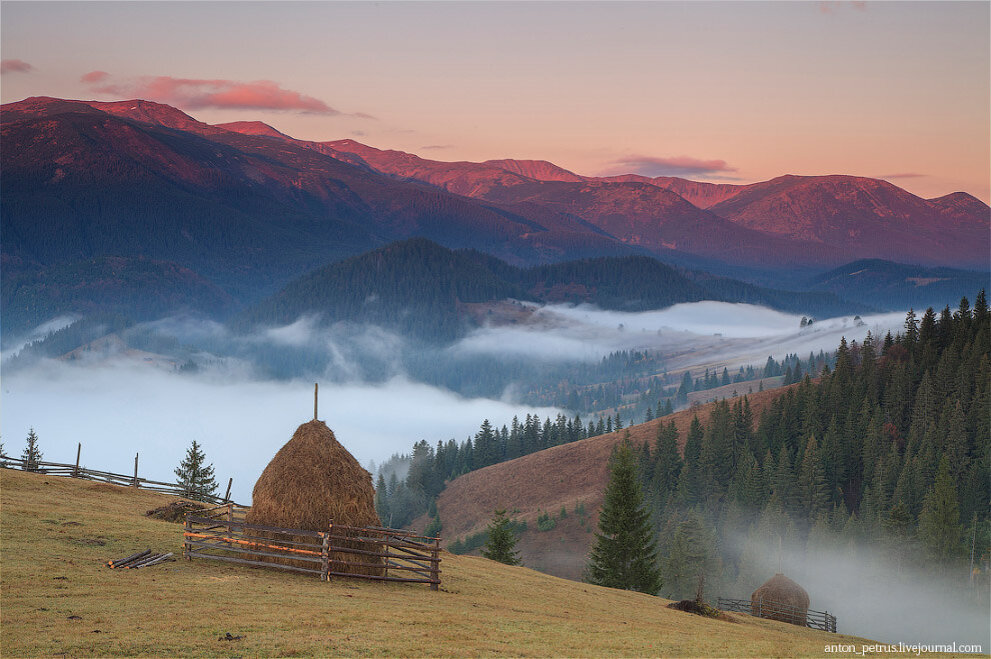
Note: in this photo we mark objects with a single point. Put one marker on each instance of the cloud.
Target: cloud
(905, 175)
(94, 77)
(15, 66)
(196, 93)
(433, 147)
(674, 166)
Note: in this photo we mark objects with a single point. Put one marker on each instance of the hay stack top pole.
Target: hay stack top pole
(316, 388)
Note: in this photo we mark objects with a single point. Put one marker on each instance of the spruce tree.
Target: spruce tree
(195, 477)
(382, 499)
(625, 553)
(32, 454)
(690, 558)
(939, 521)
(501, 544)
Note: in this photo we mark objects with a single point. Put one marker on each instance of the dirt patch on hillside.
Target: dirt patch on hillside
(175, 511)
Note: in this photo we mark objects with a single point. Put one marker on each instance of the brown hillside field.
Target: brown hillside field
(561, 476)
(59, 599)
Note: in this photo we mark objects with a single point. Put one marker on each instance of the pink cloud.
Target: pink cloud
(15, 66)
(674, 166)
(94, 77)
(193, 94)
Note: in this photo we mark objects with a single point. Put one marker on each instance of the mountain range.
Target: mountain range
(140, 197)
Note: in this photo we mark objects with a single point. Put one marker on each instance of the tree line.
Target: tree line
(888, 448)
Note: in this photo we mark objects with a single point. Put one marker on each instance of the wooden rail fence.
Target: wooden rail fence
(75, 471)
(779, 611)
(341, 551)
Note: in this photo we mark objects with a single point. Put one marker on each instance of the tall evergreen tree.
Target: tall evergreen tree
(501, 543)
(625, 553)
(690, 558)
(194, 476)
(939, 521)
(32, 454)
(382, 499)
(667, 461)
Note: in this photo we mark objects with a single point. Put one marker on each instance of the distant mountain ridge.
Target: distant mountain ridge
(246, 208)
(821, 219)
(422, 289)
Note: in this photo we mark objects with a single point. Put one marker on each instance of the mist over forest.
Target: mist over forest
(240, 395)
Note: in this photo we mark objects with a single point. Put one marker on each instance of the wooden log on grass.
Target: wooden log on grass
(154, 560)
(129, 559)
(141, 561)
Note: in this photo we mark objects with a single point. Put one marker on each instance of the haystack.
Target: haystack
(782, 599)
(311, 482)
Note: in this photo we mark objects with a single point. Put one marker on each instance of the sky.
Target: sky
(730, 92)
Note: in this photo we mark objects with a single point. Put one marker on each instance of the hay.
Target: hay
(311, 482)
(780, 591)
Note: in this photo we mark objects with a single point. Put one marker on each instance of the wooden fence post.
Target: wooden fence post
(185, 537)
(135, 483)
(435, 566)
(227, 496)
(79, 449)
(325, 557)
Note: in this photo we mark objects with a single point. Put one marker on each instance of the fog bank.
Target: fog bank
(118, 408)
(690, 334)
(872, 595)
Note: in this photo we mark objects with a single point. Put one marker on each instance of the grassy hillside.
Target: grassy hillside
(59, 599)
(566, 476)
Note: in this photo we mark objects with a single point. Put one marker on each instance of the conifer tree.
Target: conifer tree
(625, 553)
(382, 499)
(690, 558)
(32, 454)
(813, 491)
(501, 543)
(939, 521)
(194, 476)
(667, 461)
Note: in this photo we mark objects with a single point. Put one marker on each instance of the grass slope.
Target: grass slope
(59, 599)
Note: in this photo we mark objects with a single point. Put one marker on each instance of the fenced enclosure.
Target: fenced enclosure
(341, 551)
(779, 611)
(75, 471)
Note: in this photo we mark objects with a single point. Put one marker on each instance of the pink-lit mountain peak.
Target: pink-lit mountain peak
(253, 128)
(155, 113)
(539, 170)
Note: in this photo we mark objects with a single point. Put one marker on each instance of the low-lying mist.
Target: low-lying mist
(872, 592)
(692, 333)
(243, 395)
(121, 407)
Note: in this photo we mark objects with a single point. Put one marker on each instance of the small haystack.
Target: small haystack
(782, 599)
(311, 482)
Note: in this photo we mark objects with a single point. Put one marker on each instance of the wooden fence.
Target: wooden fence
(75, 471)
(341, 551)
(779, 611)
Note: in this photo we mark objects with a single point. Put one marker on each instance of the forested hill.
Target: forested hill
(420, 289)
(897, 285)
(885, 454)
(415, 287)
